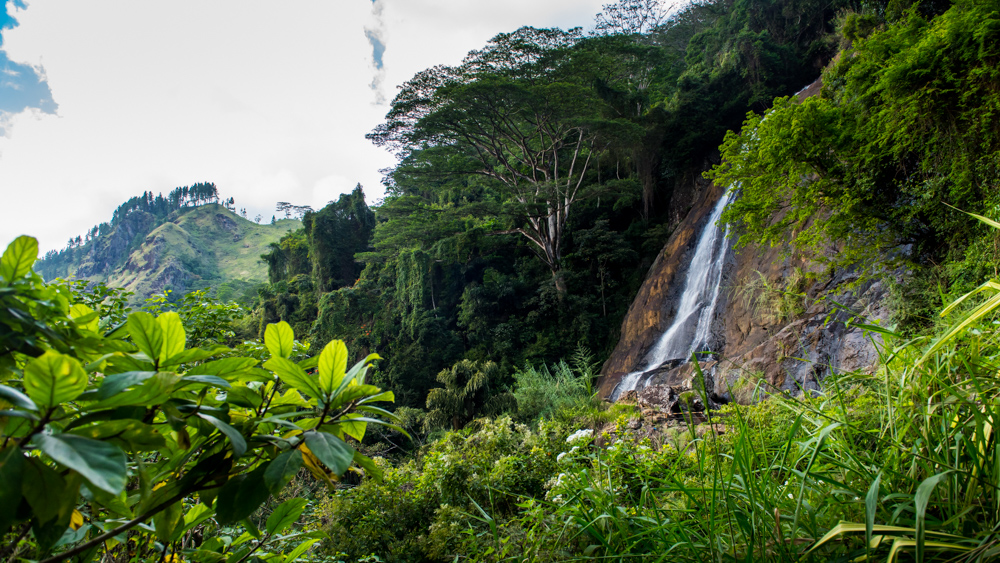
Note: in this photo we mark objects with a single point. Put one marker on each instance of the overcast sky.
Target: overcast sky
(102, 100)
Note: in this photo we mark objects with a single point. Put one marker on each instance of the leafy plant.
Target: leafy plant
(124, 443)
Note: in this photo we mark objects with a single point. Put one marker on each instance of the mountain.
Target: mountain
(190, 248)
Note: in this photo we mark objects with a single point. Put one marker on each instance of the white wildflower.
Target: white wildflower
(579, 435)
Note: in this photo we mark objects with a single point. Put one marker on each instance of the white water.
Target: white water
(691, 328)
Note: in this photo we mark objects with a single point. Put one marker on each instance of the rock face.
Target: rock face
(655, 306)
(777, 320)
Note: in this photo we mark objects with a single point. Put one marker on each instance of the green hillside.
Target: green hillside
(192, 248)
(200, 247)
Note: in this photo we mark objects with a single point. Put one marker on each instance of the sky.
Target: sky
(102, 100)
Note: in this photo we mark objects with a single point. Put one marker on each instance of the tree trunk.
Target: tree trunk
(560, 283)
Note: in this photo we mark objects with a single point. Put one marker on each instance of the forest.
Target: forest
(418, 380)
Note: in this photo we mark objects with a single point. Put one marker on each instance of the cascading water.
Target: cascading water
(690, 330)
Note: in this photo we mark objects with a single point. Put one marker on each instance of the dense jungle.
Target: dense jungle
(474, 368)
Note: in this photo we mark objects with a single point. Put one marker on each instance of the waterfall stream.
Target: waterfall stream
(692, 325)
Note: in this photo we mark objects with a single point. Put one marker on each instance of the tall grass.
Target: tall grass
(896, 465)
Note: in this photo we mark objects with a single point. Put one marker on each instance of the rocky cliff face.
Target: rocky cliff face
(781, 319)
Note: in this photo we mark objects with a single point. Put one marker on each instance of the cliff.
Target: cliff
(780, 318)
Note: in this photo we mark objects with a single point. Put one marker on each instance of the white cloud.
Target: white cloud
(269, 101)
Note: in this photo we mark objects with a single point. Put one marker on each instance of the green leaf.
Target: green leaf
(299, 550)
(118, 382)
(196, 515)
(921, 499)
(239, 443)
(17, 398)
(226, 368)
(54, 378)
(196, 355)
(174, 338)
(153, 391)
(386, 396)
(146, 334)
(168, 520)
(210, 380)
(871, 505)
(335, 453)
(243, 396)
(290, 397)
(100, 463)
(46, 491)
(294, 376)
(359, 369)
(354, 428)
(285, 514)
(241, 496)
(132, 433)
(369, 466)
(282, 470)
(332, 365)
(18, 258)
(279, 339)
(11, 473)
(85, 317)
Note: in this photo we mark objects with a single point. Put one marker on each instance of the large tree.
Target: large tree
(516, 114)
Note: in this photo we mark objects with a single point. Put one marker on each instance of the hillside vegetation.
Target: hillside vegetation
(536, 183)
(151, 246)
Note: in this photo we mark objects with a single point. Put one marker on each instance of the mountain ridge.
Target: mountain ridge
(192, 248)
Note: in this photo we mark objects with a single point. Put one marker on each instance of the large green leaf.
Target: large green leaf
(285, 514)
(85, 317)
(293, 375)
(118, 382)
(17, 398)
(196, 355)
(146, 334)
(153, 391)
(331, 450)
(282, 470)
(239, 443)
(166, 521)
(226, 368)
(299, 550)
(11, 473)
(241, 496)
(18, 258)
(54, 378)
(101, 464)
(46, 491)
(174, 338)
(134, 434)
(279, 339)
(332, 365)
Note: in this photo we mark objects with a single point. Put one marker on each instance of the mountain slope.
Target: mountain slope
(194, 247)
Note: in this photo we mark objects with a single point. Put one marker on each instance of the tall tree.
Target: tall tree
(511, 114)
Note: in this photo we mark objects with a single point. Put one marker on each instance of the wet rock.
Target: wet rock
(780, 324)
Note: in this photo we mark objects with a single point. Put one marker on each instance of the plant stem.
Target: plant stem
(110, 534)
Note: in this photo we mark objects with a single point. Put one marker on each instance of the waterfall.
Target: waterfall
(692, 325)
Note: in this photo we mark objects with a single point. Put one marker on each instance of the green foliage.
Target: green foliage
(123, 444)
(906, 121)
(542, 392)
(470, 389)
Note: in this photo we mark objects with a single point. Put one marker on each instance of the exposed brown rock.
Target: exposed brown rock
(656, 303)
(775, 320)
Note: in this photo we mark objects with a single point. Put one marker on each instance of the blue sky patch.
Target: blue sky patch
(378, 48)
(21, 86)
